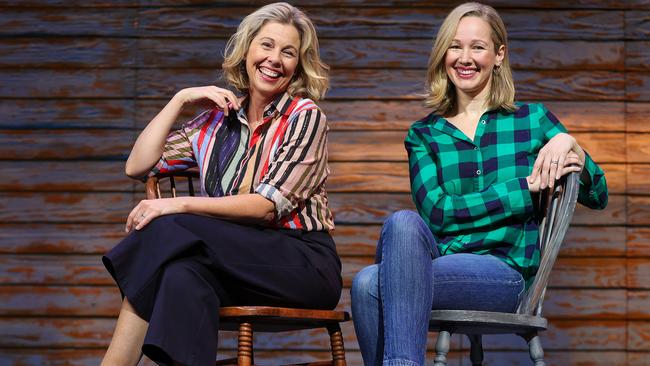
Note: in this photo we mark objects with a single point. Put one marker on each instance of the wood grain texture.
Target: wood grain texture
(638, 272)
(95, 144)
(67, 176)
(637, 55)
(636, 25)
(638, 149)
(636, 117)
(638, 178)
(59, 238)
(115, 83)
(637, 86)
(116, 22)
(67, 52)
(638, 210)
(96, 208)
(66, 113)
(638, 304)
(638, 242)
(401, 22)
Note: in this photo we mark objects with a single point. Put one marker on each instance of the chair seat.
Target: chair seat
(276, 319)
(485, 322)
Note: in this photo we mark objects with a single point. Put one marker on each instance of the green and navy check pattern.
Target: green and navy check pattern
(474, 195)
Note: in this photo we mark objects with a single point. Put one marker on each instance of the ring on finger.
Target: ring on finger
(554, 162)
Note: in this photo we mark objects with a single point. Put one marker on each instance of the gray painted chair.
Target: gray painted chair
(528, 320)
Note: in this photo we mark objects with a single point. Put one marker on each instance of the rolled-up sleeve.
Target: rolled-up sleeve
(299, 166)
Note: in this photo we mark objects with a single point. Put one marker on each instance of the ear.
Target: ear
(501, 54)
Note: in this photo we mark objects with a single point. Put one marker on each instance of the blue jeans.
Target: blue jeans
(392, 300)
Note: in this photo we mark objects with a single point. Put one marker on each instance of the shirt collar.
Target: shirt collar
(280, 104)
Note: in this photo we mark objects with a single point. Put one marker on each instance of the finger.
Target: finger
(546, 166)
(145, 220)
(220, 101)
(534, 174)
(234, 102)
(552, 171)
(561, 161)
(130, 219)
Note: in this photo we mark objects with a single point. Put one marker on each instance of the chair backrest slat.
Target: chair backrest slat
(153, 184)
(558, 209)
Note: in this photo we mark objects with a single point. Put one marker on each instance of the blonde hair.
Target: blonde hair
(440, 93)
(310, 79)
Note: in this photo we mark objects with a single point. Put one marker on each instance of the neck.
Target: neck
(256, 105)
(472, 104)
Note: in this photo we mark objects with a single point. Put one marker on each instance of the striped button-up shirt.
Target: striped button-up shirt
(284, 159)
(474, 195)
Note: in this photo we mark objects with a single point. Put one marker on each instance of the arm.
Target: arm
(250, 208)
(553, 160)
(449, 214)
(150, 145)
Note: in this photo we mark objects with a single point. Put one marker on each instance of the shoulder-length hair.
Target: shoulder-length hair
(311, 77)
(440, 93)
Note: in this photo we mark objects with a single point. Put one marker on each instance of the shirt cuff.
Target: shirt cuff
(282, 205)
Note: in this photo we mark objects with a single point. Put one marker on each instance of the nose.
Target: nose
(465, 57)
(274, 57)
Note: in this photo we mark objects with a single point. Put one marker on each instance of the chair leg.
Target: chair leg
(336, 341)
(535, 348)
(476, 350)
(442, 348)
(245, 345)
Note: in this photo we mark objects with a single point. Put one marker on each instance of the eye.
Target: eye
(289, 53)
(267, 44)
(478, 47)
(454, 47)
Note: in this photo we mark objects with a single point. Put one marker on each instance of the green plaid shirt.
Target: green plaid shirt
(474, 195)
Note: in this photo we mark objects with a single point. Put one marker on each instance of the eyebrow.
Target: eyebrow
(273, 40)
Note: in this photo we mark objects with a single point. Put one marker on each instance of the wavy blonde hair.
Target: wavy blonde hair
(311, 77)
(440, 93)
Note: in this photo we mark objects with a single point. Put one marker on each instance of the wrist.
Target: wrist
(179, 99)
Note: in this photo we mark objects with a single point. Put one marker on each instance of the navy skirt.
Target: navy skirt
(177, 271)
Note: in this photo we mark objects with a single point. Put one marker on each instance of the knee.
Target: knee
(178, 276)
(365, 284)
(405, 231)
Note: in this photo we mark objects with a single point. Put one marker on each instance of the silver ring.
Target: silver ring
(554, 162)
(141, 215)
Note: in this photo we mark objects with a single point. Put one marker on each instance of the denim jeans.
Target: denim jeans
(392, 300)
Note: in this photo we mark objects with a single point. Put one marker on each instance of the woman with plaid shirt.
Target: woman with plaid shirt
(474, 163)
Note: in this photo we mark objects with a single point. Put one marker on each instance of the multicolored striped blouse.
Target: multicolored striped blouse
(284, 159)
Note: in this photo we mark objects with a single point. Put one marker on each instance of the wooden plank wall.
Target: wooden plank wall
(79, 79)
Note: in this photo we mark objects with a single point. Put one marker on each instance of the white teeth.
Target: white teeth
(269, 73)
(465, 72)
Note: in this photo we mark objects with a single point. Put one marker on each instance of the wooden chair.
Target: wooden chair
(558, 207)
(248, 319)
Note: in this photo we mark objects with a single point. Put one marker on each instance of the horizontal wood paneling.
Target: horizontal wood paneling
(88, 270)
(103, 176)
(80, 79)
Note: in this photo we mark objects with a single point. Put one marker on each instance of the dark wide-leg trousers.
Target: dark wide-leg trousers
(178, 270)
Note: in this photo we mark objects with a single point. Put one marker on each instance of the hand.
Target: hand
(147, 210)
(552, 160)
(572, 163)
(210, 97)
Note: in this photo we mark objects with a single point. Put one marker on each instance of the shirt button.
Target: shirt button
(592, 193)
(475, 147)
(483, 122)
(478, 172)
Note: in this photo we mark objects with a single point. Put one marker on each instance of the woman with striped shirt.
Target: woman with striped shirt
(258, 234)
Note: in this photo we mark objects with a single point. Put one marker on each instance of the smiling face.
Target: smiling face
(272, 59)
(471, 57)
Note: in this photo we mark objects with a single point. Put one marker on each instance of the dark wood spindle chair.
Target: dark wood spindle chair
(249, 319)
(557, 208)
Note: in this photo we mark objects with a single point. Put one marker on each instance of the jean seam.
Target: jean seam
(399, 361)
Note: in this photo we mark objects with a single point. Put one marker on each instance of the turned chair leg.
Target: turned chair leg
(476, 350)
(535, 348)
(336, 341)
(245, 345)
(442, 348)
